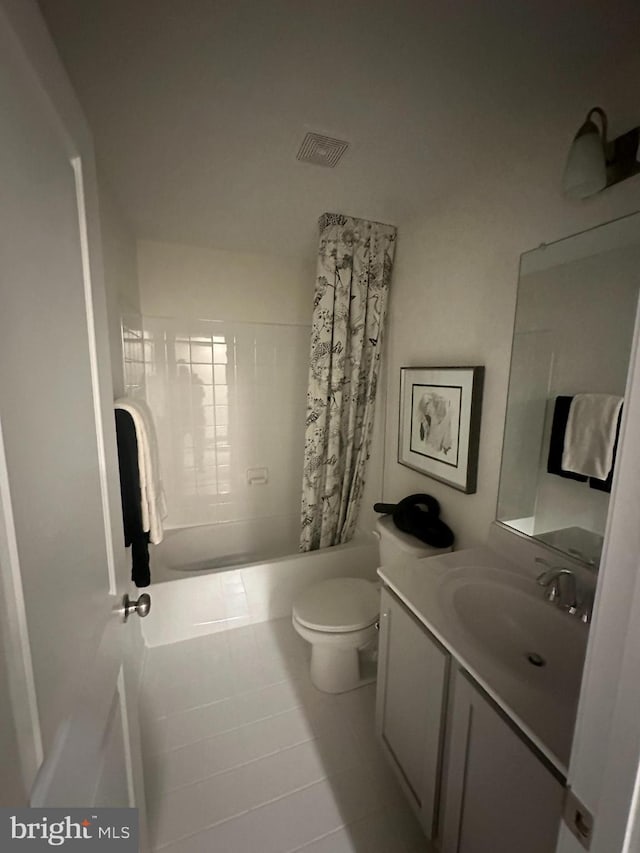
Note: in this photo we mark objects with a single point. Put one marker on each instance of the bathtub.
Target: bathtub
(203, 548)
(200, 596)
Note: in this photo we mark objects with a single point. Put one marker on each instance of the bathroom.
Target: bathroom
(459, 121)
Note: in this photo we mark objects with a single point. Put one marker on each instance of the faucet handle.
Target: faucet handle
(554, 591)
(585, 609)
(550, 579)
(562, 587)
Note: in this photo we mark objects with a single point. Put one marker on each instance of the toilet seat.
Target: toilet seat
(339, 605)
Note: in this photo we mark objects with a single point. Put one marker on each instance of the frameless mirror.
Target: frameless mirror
(574, 325)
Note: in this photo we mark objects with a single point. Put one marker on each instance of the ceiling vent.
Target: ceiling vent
(321, 150)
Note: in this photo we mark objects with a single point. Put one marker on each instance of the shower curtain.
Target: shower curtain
(352, 285)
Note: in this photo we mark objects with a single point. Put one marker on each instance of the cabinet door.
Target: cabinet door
(500, 796)
(410, 706)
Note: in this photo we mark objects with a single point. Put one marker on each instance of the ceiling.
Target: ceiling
(198, 107)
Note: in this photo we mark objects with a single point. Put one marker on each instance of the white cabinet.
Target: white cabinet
(500, 796)
(411, 706)
(477, 784)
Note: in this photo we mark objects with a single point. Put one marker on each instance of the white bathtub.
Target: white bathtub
(203, 602)
(203, 548)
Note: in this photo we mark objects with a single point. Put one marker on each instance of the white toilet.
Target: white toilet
(338, 616)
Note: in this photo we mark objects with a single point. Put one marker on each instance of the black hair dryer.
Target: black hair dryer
(419, 515)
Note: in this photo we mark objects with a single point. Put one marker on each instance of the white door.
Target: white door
(69, 654)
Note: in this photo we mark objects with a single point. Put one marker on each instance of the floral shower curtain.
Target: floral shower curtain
(352, 286)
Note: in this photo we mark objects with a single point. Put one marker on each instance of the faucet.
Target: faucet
(561, 585)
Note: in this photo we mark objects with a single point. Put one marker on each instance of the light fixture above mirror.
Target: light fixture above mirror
(594, 163)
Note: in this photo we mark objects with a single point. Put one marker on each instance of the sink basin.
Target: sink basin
(507, 618)
(492, 617)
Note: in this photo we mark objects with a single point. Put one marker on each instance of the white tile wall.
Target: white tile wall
(227, 398)
(243, 755)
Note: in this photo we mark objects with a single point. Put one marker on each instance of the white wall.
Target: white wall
(213, 284)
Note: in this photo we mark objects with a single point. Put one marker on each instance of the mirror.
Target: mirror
(574, 325)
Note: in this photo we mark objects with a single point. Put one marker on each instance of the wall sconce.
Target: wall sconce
(594, 163)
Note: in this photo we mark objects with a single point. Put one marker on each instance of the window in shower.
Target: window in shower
(202, 366)
(229, 398)
(135, 350)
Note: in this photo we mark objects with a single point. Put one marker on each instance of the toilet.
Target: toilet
(339, 617)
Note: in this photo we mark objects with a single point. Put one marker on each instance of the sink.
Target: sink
(506, 617)
(492, 617)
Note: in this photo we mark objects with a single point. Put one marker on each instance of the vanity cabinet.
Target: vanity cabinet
(477, 784)
(411, 705)
(500, 795)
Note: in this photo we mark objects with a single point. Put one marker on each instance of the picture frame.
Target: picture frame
(439, 429)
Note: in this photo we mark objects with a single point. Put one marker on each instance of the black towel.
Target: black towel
(556, 441)
(134, 535)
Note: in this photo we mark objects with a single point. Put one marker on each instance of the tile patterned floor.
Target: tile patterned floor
(243, 755)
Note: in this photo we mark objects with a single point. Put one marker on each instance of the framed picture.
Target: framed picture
(440, 423)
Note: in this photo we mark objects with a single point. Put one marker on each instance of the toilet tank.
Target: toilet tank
(394, 545)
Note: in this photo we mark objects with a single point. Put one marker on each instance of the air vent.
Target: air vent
(321, 150)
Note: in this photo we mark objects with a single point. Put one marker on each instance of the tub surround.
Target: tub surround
(220, 600)
(228, 402)
(543, 703)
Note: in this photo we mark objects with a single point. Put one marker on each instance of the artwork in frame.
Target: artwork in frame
(439, 432)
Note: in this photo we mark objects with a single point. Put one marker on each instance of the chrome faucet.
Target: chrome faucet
(561, 585)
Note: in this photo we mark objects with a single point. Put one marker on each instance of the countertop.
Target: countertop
(542, 702)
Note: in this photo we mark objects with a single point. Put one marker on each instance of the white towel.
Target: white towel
(154, 506)
(590, 435)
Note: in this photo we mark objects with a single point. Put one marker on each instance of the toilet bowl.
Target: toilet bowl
(338, 617)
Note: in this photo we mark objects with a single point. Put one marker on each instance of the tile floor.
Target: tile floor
(243, 755)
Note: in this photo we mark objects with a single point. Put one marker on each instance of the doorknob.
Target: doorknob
(142, 606)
